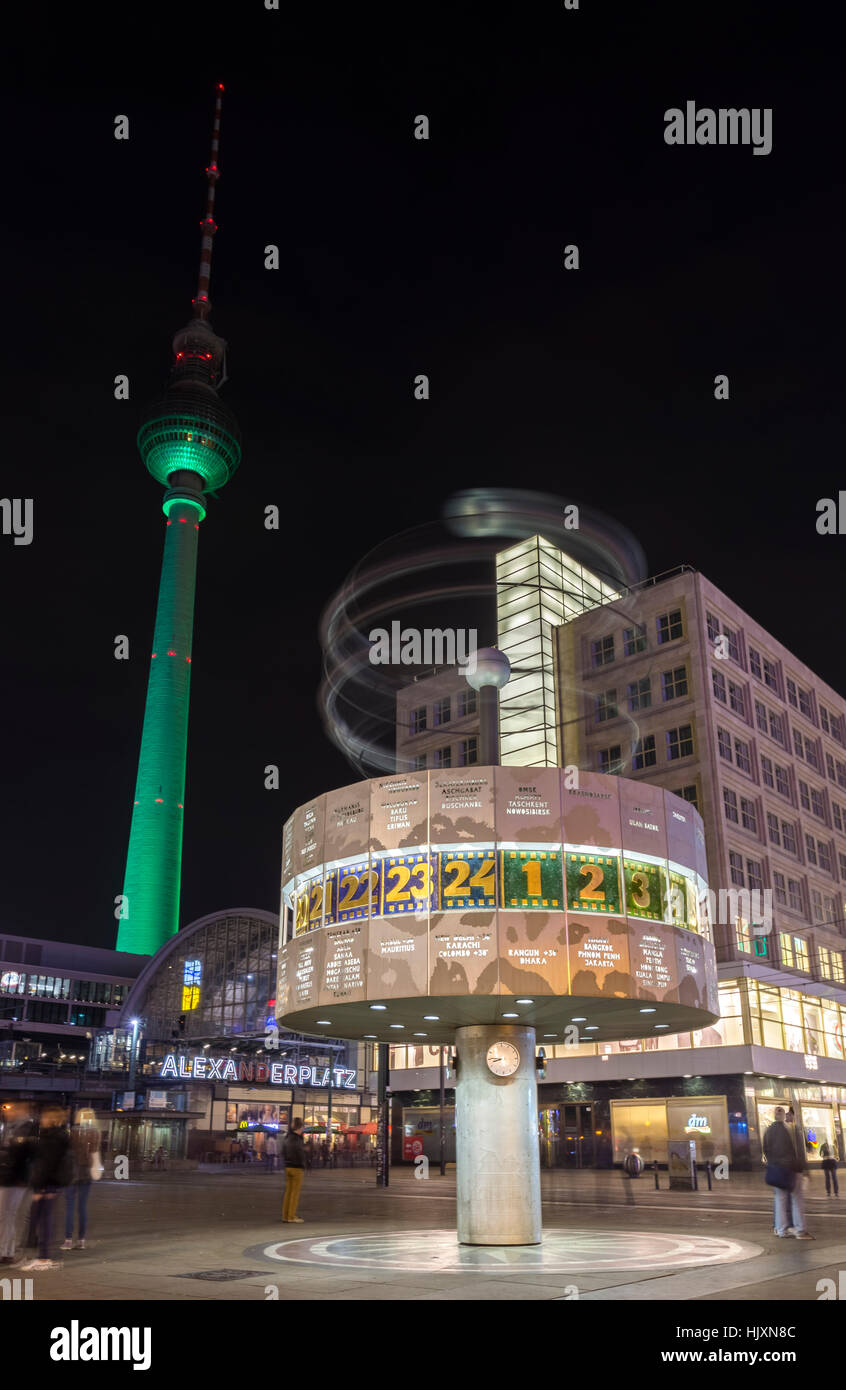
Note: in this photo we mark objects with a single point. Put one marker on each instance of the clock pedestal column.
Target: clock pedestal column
(496, 1131)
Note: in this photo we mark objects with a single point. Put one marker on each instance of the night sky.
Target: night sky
(397, 257)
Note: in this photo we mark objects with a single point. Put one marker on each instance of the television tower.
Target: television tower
(190, 442)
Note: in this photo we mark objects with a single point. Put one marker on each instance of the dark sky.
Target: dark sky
(398, 257)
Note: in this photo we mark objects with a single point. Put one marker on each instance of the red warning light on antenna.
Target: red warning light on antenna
(220, 87)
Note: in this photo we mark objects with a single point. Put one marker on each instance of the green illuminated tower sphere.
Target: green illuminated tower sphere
(190, 443)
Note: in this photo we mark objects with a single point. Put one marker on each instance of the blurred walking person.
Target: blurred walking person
(52, 1169)
(829, 1167)
(783, 1176)
(15, 1168)
(87, 1168)
(271, 1149)
(294, 1153)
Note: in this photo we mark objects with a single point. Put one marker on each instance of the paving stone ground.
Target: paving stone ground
(602, 1234)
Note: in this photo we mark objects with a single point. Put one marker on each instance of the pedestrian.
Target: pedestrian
(829, 1167)
(234, 1151)
(160, 1158)
(294, 1152)
(52, 1169)
(245, 1151)
(271, 1149)
(15, 1169)
(783, 1174)
(88, 1168)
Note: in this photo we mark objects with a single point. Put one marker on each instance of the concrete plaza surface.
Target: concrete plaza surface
(605, 1238)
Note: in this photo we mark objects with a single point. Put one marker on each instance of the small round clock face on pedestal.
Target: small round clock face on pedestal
(502, 1058)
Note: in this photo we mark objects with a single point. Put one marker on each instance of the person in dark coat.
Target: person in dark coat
(829, 1167)
(15, 1169)
(52, 1169)
(294, 1154)
(780, 1151)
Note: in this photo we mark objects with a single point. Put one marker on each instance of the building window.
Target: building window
(748, 815)
(736, 869)
(755, 663)
(670, 626)
(754, 874)
(817, 803)
(791, 693)
(800, 952)
(810, 850)
(841, 773)
(817, 905)
(777, 729)
(770, 675)
(724, 744)
(785, 941)
(689, 794)
(804, 795)
(782, 781)
(417, 721)
(761, 716)
(606, 706)
(837, 815)
(443, 757)
(466, 702)
(680, 742)
(824, 719)
(772, 829)
(812, 757)
(805, 703)
(742, 755)
(780, 888)
(730, 805)
(440, 712)
(736, 699)
(634, 640)
(719, 683)
(733, 646)
(797, 744)
(419, 763)
(767, 772)
(824, 855)
(602, 651)
(794, 894)
(788, 837)
(639, 694)
(829, 767)
(842, 858)
(643, 752)
(744, 935)
(468, 752)
(674, 683)
(713, 628)
(609, 759)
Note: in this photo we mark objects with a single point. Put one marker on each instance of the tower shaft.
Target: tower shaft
(152, 884)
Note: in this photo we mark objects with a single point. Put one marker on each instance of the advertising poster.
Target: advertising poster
(463, 953)
(399, 811)
(643, 820)
(598, 956)
(346, 830)
(591, 811)
(398, 958)
(461, 807)
(343, 969)
(532, 953)
(528, 805)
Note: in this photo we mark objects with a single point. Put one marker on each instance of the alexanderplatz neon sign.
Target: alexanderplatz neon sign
(203, 1068)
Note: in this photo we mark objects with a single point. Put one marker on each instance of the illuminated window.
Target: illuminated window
(785, 942)
(743, 935)
(800, 951)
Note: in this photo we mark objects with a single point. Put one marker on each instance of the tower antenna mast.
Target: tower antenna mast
(202, 303)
